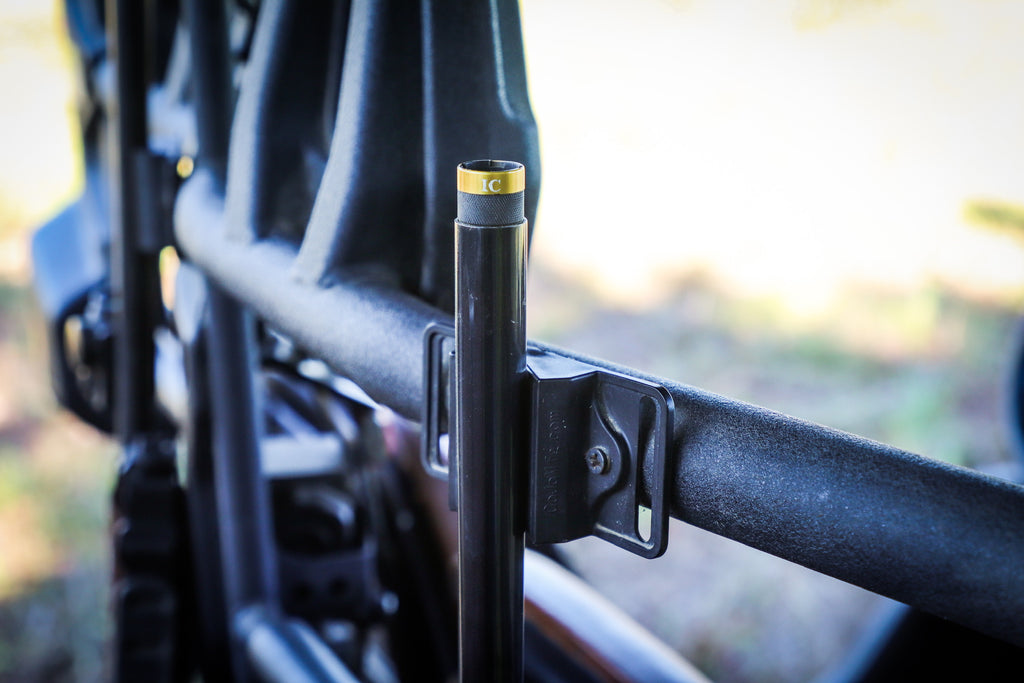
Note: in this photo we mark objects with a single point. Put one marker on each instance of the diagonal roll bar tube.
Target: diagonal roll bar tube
(939, 537)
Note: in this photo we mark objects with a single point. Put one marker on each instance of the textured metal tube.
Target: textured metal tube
(936, 536)
(490, 353)
(134, 283)
(207, 23)
(245, 527)
(942, 538)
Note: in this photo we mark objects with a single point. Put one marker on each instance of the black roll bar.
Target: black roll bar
(936, 536)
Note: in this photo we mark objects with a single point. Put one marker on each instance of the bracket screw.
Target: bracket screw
(597, 460)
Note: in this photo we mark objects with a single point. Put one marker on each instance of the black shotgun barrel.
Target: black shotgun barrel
(490, 357)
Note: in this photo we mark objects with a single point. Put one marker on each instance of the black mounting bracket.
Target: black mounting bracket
(598, 447)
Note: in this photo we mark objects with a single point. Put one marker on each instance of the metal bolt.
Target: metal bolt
(597, 460)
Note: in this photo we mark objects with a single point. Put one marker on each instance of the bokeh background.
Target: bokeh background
(813, 205)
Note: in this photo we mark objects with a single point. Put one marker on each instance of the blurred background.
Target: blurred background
(813, 205)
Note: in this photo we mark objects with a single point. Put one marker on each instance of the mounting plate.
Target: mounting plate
(598, 447)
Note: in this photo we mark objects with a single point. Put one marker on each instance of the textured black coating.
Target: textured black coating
(475, 105)
(940, 537)
(491, 210)
(248, 560)
(278, 123)
(243, 499)
(936, 536)
(360, 324)
(374, 170)
(943, 538)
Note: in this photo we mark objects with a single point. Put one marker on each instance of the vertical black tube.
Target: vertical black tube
(244, 521)
(135, 293)
(490, 246)
(243, 502)
(211, 79)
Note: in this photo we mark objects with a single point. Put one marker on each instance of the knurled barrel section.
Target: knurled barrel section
(491, 193)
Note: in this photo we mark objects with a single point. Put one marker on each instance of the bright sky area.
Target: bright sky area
(786, 148)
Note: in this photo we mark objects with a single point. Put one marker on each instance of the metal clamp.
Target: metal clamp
(438, 354)
(598, 447)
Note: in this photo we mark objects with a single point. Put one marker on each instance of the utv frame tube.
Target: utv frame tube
(940, 537)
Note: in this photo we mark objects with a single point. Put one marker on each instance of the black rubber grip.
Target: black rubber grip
(491, 210)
